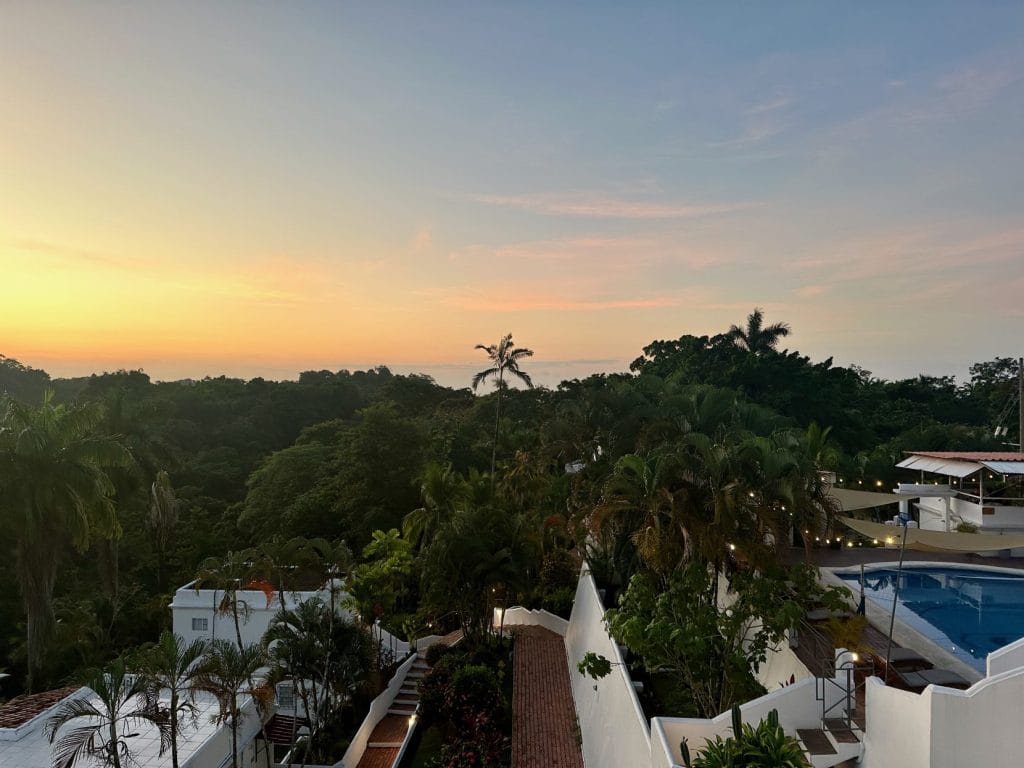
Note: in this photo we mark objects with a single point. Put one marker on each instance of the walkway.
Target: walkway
(387, 738)
(544, 729)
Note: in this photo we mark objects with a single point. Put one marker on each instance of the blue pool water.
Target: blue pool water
(968, 612)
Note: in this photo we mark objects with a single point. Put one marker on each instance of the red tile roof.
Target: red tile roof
(21, 709)
(972, 455)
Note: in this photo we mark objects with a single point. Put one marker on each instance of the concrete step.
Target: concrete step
(384, 745)
(840, 732)
(406, 702)
(415, 675)
(824, 750)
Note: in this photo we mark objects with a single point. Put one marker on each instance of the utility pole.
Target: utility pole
(1020, 403)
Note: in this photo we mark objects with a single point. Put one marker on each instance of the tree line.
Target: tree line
(115, 489)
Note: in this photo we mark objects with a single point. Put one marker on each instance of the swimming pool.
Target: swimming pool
(968, 612)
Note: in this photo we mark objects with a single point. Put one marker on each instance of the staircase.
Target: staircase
(387, 738)
(839, 740)
(834, 744)
(408, 698)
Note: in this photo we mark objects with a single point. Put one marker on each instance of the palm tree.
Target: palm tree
(504, 359)
(229, 575)
(441, 489)
(637, 502)
(756, 338)
(226, 672)
(163, 516)
(54, 490)
(174, 666)
(120, 702)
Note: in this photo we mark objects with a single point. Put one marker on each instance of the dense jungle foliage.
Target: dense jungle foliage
(698, 446)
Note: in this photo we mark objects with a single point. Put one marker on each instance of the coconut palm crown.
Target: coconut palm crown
(756, 337)
(504, 358)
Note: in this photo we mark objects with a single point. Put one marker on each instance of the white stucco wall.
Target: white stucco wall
(216, 751)
(946, 728)
(798, 707)
(189, 604)
(517, 616)
(1005, 659)
(898, 725)
(378, 709)
(781, 664)
(614, 730)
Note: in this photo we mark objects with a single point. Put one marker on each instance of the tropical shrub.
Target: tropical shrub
(763, 746)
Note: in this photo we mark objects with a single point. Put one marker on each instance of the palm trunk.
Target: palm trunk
(234, 613)
(234, 740)
(113, 741)
(174, 728)
(497, 422)
(37, 575)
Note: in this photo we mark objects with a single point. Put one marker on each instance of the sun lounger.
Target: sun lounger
(824, 614)
(906, 660)
(918, 681)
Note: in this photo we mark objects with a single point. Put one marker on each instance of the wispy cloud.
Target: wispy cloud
(423, 240)
(772, 105)
(61, 254)
(953, 95)
(907, 254)
(490, 303)
(591, 205)
(811, 291)
(613, 256)
(753, 135)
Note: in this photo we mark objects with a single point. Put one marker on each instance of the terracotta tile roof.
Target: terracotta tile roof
(972, 455)
(544, 729)
(21, 709)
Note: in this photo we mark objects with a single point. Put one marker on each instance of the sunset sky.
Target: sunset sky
(259, 189)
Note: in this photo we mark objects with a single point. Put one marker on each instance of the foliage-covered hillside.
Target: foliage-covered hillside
(341, 455)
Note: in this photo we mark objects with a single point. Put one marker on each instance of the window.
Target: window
(200, 625)
(285, 696)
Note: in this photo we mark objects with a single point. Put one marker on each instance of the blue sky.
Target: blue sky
(262, 188)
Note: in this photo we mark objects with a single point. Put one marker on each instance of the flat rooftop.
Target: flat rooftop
(31, 749)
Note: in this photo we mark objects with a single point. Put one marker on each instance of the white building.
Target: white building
(196, 611)
(201, 743)
(979, 489)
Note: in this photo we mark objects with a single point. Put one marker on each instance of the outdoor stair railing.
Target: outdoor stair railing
(844, 677)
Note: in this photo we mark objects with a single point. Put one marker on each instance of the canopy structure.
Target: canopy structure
(964, 463)
(850, 500)
(936, 541)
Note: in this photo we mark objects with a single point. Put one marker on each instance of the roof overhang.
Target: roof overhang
(949, 467)
(956, 464)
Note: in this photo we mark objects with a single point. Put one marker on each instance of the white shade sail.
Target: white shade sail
(936, 541)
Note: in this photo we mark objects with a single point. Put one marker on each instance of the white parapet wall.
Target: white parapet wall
(946, 728)
(517, 616)
(798, 706)
(1005, 659)
(781, 668)
(613, 727)
(378, 709)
